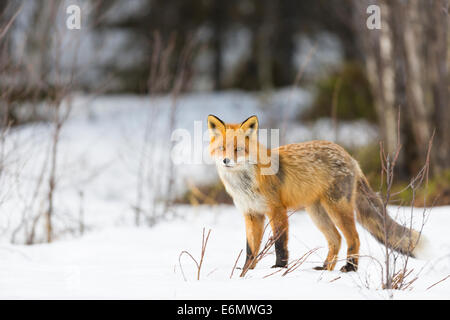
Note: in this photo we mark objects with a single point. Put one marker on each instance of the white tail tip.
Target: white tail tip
(423, 250)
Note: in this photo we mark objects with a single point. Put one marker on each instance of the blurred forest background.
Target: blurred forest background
(145, 47)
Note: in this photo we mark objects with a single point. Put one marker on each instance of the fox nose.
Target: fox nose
(226, 161)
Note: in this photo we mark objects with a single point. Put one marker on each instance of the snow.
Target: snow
(98, 164)
(143, 263)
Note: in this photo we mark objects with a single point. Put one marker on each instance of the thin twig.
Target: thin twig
(235, 263)
(442, 280)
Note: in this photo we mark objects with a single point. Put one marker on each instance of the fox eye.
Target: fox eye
(239, 149)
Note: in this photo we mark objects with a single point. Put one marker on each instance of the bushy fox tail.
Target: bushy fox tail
(370, 214)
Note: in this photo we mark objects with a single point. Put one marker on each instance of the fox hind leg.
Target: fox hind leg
(323, 222)
(341, 213)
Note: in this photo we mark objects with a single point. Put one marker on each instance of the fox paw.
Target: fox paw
(279, 266)
(349, 267)
(319, 268)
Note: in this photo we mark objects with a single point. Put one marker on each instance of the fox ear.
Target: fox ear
(215, 125)
(250, 125)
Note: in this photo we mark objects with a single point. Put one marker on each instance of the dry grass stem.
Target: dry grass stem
(202, 255)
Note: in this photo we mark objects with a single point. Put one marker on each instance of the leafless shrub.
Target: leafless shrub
(32, 206)
(395, 272)
(158, 81)
(202, 255)
(12, 76)
(162, 78)
(181, 78)
(39, 78)
(59, 119)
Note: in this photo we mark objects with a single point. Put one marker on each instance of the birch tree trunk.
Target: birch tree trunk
(377, 46)
(418, 113)
(39, 41)
(407, 65)
(438, 60)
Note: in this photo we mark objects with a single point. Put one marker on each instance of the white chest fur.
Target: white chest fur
(241, 185)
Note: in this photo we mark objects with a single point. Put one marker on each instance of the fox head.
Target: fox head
(233, 146)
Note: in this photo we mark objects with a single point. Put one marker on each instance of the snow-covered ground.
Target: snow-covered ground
(99, 163)
(143, 263)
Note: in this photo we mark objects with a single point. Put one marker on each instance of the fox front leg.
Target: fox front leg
(254, 226)
(280, 228)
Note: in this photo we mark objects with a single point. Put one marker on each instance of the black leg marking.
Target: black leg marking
(351, 265)
(249, 252)
(281, 251)
(249, 257)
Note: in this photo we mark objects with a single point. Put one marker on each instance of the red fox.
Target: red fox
(318, 175)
